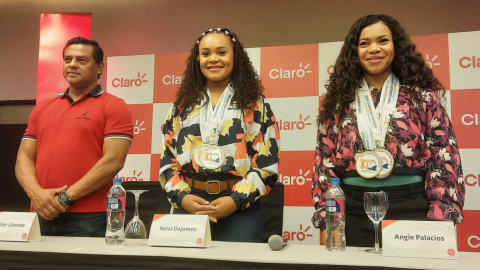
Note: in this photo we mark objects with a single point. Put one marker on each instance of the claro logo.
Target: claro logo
(431, 62)
(470, 119)
(299, 179)
(469, 62)
(134, 178)
(473, 241)
(124, 82)
(298, 235)
(330, 69)
(472, 180)
(138, 127)
(171, 79)
(289, 73)
(295, 125)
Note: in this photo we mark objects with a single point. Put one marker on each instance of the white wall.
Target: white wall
(132, 27)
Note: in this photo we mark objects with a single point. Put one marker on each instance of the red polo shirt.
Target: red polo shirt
(70, 138)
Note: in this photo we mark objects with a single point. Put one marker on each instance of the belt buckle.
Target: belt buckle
(213, 181)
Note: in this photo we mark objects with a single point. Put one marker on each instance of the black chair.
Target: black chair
(272, 208)
(152, 202)
(12, 196)
(155, 202)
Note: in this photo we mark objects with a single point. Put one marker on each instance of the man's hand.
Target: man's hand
(45, 202)
(193, 204)
(224, 206)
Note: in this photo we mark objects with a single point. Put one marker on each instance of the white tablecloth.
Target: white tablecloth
(246, 252)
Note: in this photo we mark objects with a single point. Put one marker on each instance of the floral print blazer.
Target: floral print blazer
(420, 136)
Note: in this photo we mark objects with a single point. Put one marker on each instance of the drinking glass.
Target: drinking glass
(376, 205)
(135, 233)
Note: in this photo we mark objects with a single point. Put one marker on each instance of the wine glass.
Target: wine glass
(135, 233)
(376, 205)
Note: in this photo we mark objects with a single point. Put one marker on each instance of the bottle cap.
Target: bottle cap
(335, 180)
(117, 180)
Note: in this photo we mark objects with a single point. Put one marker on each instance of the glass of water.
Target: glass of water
(376, 206)
(135, 233)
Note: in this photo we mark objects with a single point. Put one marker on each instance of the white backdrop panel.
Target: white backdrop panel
(254, 55)
(131, 78)
(297, 225)
(137, 168)
(159, 113)
(471, 176)
(464, 50)
(327, 55)
(296, 118)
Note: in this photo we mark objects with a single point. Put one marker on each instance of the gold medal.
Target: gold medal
(212, 157)
(386, 160)
(197, 155)
(368, 164)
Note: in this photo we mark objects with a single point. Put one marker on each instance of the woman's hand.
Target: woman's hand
(224, 206)
(194, 204)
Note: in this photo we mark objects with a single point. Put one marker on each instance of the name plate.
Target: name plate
(180, 231)
(419, 239)
(19, 226)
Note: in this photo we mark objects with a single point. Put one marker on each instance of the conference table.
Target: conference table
(92, 253)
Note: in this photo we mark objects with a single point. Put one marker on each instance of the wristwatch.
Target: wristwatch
(64, 198)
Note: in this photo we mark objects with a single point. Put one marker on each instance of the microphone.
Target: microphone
(277, 242)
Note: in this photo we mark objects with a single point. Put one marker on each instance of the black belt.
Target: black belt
(395, 171)
(394, 192)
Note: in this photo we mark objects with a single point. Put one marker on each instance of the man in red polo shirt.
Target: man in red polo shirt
(73, 147)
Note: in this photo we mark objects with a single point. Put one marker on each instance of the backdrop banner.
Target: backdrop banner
(294, 78)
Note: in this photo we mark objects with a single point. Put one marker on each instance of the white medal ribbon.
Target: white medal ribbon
(211, 120)
(209, 155)
(373, 126)
(373, 122)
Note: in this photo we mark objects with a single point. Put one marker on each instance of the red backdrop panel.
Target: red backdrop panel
(290, 71)
(155, 167)
(434, 49)
(465, 117)
(142, 131)
(168, 75)
(296, 174)
(468, 233)
(55, 31)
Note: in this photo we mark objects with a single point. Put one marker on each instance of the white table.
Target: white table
(294, 256)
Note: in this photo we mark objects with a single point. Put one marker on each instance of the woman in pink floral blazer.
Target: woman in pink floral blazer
(426, 182)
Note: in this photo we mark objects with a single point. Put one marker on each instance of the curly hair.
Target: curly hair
(245, 80)
(408, 65)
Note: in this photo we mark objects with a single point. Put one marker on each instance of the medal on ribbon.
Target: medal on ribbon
(368, 164)
(197, 155)
(373, 125)
(212, 157)
(386, 160)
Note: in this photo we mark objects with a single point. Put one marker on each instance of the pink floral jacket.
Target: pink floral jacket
(420, 136)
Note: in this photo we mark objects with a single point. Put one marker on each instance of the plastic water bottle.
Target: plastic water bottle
(115, 235)
(335, 200)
